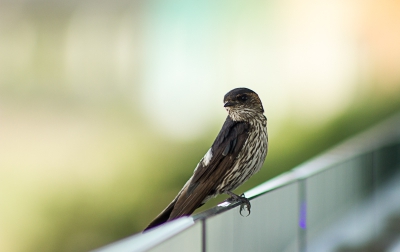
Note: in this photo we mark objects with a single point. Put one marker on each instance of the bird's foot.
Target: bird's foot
(245, 203)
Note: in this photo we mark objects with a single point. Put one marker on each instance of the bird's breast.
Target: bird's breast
(250, 159)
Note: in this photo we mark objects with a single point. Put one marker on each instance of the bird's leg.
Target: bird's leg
(243, 200)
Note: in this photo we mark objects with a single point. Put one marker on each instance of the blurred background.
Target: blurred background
(106, 107)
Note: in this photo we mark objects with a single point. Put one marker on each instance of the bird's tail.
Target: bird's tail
(185, 203)
(163, 216)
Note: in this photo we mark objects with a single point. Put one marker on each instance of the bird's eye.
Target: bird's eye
(242, 97)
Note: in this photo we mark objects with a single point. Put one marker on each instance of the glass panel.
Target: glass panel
(332, 193)
(188, 240)
(271, 226)
(386, 161)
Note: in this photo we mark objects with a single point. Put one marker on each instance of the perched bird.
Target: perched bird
(237, 153)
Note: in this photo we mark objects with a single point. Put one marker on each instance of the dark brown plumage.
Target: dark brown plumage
(236, 154)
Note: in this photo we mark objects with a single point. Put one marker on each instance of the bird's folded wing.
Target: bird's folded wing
(210, 173)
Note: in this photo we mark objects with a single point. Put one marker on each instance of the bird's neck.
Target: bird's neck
(246, 115)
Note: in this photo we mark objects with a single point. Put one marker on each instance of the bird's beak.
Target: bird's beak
(228, 104)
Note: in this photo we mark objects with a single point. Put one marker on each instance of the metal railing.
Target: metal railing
(333, 201)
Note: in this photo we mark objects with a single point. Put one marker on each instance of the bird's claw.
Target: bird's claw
(245, 203)
(242, 206)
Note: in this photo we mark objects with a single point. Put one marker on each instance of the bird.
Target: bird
(237, 153)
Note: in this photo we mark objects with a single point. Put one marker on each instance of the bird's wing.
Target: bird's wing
(223, 152)
(211, 169)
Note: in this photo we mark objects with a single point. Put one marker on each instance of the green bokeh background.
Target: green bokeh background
(87, 152)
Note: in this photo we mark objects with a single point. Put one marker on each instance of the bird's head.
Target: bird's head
(243, 104)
